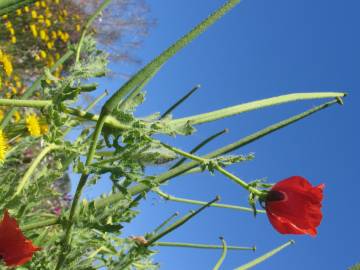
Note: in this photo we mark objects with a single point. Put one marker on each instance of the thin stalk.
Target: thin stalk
(200, 145)
(223, 255)
(217, 167)
(162, 178)
(87, 25)
(250, 106)
(179, 223)
(265, 256)
(164, 223)
(179, 102)
(25, 103)
(109, 120)
(34, 165)
(65, 241)
(200, 246)
(29, 91)
(172, 198)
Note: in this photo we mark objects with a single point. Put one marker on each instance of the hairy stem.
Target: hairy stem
(201, 246)
(169, 197)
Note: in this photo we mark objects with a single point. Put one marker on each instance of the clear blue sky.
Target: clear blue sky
(261, 49)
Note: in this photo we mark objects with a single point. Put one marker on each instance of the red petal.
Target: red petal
(15, 249)
(300, 211)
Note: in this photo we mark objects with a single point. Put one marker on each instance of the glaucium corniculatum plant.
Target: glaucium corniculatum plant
(116, 143)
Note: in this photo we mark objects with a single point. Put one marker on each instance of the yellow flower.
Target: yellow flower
(34, 14)
(37, 4)
(43, 4)
(1, 115)
(33, 30)
(78, 27)
(3, 146)
(42, 34)
(42, 53)
(18, 12)
(5, 60)
(32, 124)
(17, 117)
(48, 22)
(26, 9)
(13, 39)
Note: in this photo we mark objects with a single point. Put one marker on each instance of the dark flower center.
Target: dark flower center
(274, 195)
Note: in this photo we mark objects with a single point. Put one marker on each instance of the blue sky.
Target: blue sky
(260, 49)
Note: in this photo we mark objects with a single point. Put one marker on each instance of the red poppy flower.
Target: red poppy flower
(15, 249)
(293, 206)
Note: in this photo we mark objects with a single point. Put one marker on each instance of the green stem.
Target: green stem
(40, 224)
(201, 246)
(109, 120)
(179, 102)
(65, 241)
(223, 255)
(34, 165)
(86, 27)
(238, 181)
(199, 146)
(167, 221)
(189, 201)
(264, 257)
(29, 91)
(217, 167)
(25, 103)
(179, 223)
(254, 105)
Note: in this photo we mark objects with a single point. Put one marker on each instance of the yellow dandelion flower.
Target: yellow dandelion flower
(43, 54)
(12, 31)
(43, 4)
(8, 24)
(6, 63)
(26, 9)
(34, 14)
(42, 34)
(17, 117)
(13, 39)
(37, 4)
(5, 16)
(54, 35)
(3, 146)
(50, 45)
(48, 22)
(32, 124)
(33, 30)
